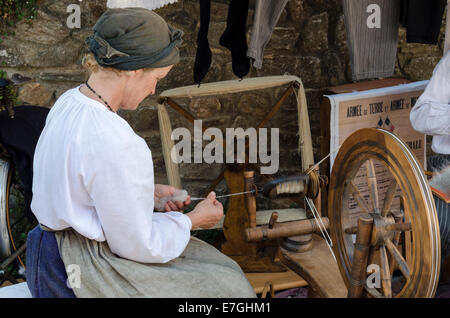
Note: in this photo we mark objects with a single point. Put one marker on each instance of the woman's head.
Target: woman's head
(136, 85)
(134, 38)
(135, 48)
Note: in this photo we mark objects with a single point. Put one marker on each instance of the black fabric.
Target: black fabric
(19, 137)
(234, 37)
(203, 55)
(423, 20)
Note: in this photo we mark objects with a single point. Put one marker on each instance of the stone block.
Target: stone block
(315, 35)
(35, 94)
(205, 107)
(44, 30)
(307, 68)
(421, 68)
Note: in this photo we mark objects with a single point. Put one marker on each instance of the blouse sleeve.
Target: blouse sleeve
(118, 175)
(431, 114)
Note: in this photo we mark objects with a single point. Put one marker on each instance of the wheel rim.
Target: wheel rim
(384, 150)
(5, 248)
(14, 223)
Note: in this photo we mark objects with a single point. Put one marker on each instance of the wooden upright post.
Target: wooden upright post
(250, 198)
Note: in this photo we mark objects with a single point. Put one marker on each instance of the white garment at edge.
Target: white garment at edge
(94, 174)
(431, 113)
(147, 4)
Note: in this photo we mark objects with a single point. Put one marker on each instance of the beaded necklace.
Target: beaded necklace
(106, 103)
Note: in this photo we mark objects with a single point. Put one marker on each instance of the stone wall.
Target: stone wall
(309, 42)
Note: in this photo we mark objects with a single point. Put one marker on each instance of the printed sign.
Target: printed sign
(387, 108)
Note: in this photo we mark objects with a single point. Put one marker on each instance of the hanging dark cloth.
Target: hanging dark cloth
(422, 19)
(19, 136)
(203, 55)
(233, 38)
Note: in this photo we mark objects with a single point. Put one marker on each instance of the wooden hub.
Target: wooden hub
(381, 230)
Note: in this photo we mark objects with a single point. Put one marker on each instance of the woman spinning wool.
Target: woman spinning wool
(93, 186)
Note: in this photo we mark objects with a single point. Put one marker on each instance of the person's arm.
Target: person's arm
(431, 118)
(118, 175)
(431, 114)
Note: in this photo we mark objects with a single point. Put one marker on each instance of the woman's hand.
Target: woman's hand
(207, 213)
(162, 190)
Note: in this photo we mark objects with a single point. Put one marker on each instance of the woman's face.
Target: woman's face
(142, 83)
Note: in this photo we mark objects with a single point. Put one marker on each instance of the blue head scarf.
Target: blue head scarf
(134, 38)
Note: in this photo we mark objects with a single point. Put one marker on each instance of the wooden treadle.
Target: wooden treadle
(319, 268)
(281, 281)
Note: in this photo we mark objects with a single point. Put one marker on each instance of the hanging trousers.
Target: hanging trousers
(373, 49)
(265, 19)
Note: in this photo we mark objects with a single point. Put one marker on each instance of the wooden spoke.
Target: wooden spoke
(385, 273)
(390, 193)
(395, 242)
(358, 198)
(407, 237)
(399, 227)
(372, 185)
(398, 258)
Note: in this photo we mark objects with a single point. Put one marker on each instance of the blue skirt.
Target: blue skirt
(46, 274)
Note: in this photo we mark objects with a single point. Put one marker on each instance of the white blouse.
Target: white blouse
(431, 113)
(94, 174)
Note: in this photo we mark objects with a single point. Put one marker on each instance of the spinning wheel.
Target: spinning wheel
(381, 212)
(14, 223)
(396, 228)
(381, 216)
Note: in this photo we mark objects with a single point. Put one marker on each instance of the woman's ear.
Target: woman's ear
(133, 73)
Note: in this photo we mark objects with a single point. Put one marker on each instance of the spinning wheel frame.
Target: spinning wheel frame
(232, 87)
(367, 145)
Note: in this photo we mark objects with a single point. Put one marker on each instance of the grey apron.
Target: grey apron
(200, 272)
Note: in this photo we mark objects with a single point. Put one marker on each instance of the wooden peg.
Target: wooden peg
(273, 220)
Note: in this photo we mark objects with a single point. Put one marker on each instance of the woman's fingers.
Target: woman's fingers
(172, 206)
(188, 200)
(179, 204)
(212, 196)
